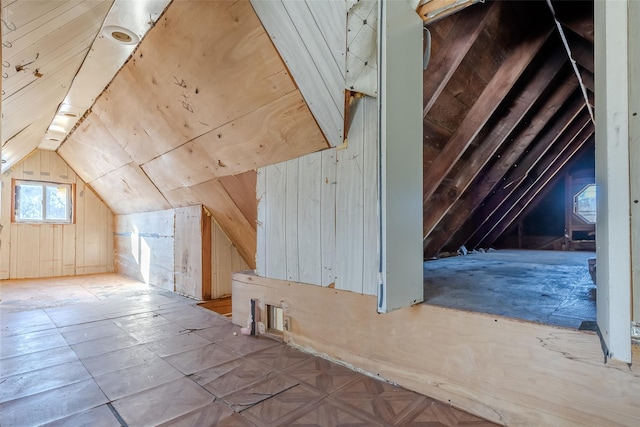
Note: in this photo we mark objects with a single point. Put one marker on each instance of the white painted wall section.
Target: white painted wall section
(311, 39)
(612, 73)
(317, 215)
(400, 97)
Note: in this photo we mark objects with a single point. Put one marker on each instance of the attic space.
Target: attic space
(508, 144)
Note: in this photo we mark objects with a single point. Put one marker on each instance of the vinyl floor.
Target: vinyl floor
(105, 350)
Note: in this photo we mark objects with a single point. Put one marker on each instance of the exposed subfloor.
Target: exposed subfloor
(549, 287)
(104, 350)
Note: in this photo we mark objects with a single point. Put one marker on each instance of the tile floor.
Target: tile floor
(107, 351)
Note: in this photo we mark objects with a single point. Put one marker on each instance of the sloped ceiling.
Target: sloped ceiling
(57, 57)
(504, 114)
(44, 45)
(203, 102)
(206, 99)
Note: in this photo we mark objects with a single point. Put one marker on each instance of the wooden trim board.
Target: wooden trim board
(510, 372)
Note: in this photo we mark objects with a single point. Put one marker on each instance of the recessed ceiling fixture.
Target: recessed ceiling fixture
(120, 34)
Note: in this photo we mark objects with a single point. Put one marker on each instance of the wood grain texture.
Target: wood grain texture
(297, 48)
(144, 247)
(478, 115)
(507, 371)
(444, 61)
(128, 190)
(318, 214)
(242, 190)
(192, 240)
(44, 250)
(226, 213)
(275, 132)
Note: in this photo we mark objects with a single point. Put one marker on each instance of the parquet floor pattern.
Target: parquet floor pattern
(107, 351)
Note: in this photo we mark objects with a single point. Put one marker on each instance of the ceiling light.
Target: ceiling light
(120, 34)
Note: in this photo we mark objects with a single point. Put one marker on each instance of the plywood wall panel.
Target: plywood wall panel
(93, 152)
(510, 372)
(192, 272)
(305, 62)
(144, 247)
(244, 144)
(226, 213)
(318, 215)
(242, 190)
(128, 189)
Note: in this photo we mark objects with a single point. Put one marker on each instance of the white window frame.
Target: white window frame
(44, 184)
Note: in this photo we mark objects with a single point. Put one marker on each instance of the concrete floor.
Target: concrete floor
(549, 287)
(108, 351)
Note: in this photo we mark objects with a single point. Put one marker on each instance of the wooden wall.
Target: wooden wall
(510, 372)
(182, 250)
(203, 102)
(318, 215)
(44, 250)
(311, 37)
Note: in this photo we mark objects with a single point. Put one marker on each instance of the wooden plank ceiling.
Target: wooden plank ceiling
(504, 113)
(203, 102)
(44, 43)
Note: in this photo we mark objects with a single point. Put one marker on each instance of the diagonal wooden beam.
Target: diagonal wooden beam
(516, 186)
(490, 98)
(552, 183)
(521, 175)
(445, 61)
(582, 51)
(531, 191)
(460, 223)
(519, 108)
(576, 16)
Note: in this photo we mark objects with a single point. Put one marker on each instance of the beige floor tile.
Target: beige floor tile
(162, 404)
(32, 382)
(200, 358)
(177, 344)
(33, 361)
(118, 359)
(100, 416)
(51, 405)
(135, 379)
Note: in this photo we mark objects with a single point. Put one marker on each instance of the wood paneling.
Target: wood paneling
(205, 97)
(297, 29)
(317, 215)
(507, 371)
(181, 250)
(44, 45)
(128, 189)
(226, 213)
(272, 133)
(144, 247)
(225, 260)
(192, 253)
(42, 250)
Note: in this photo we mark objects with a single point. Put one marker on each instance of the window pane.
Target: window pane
(57, 203)
(30, 202)
(585, 204)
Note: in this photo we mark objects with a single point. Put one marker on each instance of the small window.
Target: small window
(45, 202)
(584, 204)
